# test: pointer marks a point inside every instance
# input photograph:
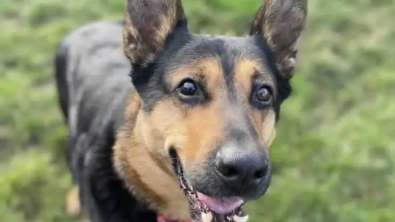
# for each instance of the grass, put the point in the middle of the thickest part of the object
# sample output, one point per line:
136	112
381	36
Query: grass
333	153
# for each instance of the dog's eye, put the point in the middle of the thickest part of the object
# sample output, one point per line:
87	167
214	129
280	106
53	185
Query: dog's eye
187	88
191	92
264	95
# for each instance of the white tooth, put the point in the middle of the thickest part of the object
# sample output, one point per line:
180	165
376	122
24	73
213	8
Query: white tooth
207	217
240	219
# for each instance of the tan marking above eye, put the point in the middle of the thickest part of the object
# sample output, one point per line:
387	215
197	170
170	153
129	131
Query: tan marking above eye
244	72
208	70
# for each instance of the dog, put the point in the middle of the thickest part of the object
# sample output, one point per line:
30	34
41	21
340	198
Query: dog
166	125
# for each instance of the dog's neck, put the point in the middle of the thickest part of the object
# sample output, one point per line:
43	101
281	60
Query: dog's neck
148	176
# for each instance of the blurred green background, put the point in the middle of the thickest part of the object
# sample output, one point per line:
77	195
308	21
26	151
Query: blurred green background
335	149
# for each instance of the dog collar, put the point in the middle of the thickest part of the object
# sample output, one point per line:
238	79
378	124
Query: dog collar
162	218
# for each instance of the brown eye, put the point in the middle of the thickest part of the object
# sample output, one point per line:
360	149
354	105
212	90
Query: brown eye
264	95
191	92
187	88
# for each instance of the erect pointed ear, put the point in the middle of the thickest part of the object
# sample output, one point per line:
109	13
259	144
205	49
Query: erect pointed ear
148	24
281	22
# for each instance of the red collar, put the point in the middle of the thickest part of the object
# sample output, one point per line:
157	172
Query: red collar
162	218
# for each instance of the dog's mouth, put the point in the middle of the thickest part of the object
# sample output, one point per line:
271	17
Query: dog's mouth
205	208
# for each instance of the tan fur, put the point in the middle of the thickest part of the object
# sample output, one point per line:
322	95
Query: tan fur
148	175
208	70
268	130
193	142
73	205
245	70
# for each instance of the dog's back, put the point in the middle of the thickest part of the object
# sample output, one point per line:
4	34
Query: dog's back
88	59
93	84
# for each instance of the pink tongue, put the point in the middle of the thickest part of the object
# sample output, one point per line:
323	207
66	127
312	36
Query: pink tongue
221	205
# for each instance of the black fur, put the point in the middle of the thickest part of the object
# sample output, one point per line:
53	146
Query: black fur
89	59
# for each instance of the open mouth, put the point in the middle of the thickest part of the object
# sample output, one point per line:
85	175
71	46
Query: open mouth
205	208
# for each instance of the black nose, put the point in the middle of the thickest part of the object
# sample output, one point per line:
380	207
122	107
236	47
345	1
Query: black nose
242	169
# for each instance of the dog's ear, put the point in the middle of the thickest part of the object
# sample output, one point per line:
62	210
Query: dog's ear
148	24
280	23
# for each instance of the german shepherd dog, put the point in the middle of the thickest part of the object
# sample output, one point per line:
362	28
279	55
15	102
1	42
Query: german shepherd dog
186	135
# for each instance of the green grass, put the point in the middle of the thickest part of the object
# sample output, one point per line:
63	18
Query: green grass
335	145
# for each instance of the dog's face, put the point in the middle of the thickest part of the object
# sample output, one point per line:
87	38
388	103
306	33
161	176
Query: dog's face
211	101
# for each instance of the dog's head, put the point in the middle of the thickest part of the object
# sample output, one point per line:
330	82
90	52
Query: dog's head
211	101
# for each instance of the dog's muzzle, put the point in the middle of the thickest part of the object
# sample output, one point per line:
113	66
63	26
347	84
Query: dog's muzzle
201	212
